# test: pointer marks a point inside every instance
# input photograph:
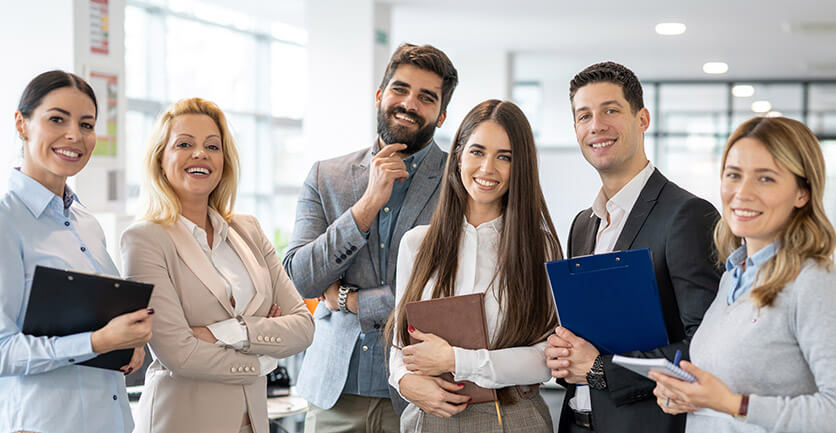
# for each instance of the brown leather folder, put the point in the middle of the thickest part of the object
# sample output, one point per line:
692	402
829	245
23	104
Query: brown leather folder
460	320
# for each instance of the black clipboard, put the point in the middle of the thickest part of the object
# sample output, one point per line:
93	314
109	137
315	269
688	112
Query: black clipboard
610	300
65	302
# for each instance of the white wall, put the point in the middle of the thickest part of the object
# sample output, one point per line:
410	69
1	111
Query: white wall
31	42
340	115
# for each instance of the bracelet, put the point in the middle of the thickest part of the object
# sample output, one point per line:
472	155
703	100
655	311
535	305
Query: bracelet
342	298
743	410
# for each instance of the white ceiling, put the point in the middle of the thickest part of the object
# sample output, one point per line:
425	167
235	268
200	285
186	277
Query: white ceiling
758	39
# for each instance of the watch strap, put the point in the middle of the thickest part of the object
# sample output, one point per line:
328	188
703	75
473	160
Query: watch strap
342	297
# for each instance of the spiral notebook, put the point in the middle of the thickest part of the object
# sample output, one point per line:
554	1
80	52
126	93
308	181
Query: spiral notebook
644	366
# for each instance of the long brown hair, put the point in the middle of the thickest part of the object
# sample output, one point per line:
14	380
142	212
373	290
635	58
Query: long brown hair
808	234
527	239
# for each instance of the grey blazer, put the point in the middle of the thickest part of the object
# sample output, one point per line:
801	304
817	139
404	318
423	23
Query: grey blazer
327	246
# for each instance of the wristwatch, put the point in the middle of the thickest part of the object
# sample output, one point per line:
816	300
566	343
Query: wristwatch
342	298
595	376
743	410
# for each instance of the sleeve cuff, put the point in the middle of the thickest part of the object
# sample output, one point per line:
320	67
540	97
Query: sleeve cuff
75	348
397	370
267	364
373	307
467	363
230	333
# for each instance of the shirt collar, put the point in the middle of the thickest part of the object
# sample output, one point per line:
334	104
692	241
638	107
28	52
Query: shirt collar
219	226
494	224
757	260
34	195
626	197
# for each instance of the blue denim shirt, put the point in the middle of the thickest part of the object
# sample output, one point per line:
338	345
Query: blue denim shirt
365	376
742	280
41	387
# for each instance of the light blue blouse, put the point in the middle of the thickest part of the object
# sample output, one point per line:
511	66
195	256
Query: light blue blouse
41	388
740	280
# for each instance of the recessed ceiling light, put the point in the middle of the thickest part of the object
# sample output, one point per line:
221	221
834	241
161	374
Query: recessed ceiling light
715	68
670	29
743	90
761	106
774	114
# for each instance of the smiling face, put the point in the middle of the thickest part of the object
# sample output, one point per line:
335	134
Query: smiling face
59	137
409	108
609	134
193	158
485	168
759	194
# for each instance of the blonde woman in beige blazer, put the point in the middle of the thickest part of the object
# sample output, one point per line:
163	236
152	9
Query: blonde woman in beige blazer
225	308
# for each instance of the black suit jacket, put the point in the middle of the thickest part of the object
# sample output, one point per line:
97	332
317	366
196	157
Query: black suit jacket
677	227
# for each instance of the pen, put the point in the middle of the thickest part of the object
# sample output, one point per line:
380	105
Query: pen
676	358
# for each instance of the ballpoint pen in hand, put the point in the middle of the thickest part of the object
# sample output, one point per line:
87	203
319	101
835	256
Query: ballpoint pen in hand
676	358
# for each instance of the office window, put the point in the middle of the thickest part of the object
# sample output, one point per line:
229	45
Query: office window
253	67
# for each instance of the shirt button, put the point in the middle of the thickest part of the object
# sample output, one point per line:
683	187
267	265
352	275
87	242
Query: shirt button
414	165
67	223
114	398
365	348
232	369
83	249
382	245
382	282
376	326
386	209
260	338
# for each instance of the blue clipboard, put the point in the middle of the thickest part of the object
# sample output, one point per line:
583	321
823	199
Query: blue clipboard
610	300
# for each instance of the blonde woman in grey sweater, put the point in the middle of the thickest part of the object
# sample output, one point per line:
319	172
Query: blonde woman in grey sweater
765	351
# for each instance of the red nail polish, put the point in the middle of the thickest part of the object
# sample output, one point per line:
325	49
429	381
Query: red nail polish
411	328
469	399
150	311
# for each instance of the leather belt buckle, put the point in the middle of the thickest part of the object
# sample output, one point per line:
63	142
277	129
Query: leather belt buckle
583	419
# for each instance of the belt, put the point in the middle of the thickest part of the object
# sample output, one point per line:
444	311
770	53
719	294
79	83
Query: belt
583	419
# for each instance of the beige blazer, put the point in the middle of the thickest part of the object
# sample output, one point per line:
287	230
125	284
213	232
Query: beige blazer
192	385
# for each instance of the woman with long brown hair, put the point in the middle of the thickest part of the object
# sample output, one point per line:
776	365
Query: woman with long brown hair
765	346
491	233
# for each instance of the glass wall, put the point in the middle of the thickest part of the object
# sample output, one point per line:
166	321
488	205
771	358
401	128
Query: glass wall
252	67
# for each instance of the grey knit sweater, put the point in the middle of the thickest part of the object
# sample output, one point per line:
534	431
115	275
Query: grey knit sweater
784	356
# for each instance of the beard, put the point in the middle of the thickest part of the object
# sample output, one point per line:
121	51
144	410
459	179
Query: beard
392	133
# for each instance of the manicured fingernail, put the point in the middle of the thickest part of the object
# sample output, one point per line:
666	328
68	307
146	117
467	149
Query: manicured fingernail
411	328
461	385
150	311
469	399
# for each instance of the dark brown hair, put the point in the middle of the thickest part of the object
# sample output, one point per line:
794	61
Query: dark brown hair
429	58
527	239
610	72
808	234
48	81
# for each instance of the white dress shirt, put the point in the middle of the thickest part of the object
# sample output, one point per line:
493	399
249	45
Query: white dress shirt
42	387
239	286
613	214
523	365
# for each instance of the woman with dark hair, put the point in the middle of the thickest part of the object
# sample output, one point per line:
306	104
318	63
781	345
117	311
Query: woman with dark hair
491	233
43	223
767	362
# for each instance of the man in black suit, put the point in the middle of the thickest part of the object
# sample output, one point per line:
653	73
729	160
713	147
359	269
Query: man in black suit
636	207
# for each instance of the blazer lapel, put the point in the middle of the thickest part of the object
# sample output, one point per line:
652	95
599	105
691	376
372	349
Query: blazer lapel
424	184
584	235
638	215
360	178
191	254
259	277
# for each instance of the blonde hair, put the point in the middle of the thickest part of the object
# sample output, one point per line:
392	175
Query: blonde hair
808	234
161	204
